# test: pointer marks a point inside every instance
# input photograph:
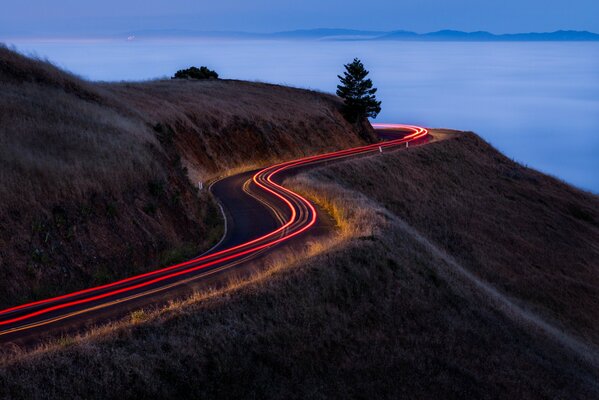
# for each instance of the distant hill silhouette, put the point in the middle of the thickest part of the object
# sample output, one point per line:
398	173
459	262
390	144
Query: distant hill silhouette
353	34
326	32
303	34
482	36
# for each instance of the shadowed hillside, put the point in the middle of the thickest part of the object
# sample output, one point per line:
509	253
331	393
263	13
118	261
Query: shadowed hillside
529	235
438	285
98	180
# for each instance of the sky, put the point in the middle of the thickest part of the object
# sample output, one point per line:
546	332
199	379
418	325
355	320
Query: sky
85	17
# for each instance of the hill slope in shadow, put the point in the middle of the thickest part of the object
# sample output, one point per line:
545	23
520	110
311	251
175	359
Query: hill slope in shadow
392	308
99	180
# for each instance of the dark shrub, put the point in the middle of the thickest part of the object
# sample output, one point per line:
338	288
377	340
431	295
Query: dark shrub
196	73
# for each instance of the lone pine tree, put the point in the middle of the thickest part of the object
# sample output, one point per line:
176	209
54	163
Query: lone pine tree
357	92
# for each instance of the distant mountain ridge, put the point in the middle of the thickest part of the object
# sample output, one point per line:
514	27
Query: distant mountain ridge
483	36
303	34
354	34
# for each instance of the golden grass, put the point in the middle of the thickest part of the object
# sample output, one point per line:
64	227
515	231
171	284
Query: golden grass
378	309
531	236
378	312
98	179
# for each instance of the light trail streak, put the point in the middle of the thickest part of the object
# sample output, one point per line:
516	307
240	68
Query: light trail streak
302	216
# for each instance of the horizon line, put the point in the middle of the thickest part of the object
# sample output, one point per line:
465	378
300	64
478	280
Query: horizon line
169	33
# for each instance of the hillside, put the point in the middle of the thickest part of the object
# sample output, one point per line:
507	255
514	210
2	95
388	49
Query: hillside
439	285
530	236
99	180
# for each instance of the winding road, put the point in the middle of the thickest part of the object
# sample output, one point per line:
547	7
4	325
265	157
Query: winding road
260	214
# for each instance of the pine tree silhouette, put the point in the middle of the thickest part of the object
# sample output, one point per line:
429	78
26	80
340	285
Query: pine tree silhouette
357	92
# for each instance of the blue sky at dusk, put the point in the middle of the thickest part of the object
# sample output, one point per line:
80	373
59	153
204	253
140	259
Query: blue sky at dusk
74	17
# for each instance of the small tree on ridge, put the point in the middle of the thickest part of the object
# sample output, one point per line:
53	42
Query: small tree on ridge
196	73
357	92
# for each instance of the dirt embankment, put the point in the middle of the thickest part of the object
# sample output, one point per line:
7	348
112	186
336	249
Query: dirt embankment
98	180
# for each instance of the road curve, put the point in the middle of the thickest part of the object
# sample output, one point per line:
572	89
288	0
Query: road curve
293	216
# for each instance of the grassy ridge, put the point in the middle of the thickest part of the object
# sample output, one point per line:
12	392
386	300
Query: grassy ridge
529	235
98	179
379	314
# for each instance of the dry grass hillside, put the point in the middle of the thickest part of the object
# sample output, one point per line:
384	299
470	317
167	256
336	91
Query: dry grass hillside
98	180
529	235
393	309
221	125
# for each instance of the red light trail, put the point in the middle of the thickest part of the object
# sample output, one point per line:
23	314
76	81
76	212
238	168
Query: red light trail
302	216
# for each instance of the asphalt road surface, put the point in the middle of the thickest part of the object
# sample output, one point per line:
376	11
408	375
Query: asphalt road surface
261	216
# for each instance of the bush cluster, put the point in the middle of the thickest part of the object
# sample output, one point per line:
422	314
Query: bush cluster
196	73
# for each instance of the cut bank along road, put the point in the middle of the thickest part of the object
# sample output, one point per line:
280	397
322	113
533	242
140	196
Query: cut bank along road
277	215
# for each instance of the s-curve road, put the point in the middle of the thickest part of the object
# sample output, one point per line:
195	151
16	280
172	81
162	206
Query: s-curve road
260	214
